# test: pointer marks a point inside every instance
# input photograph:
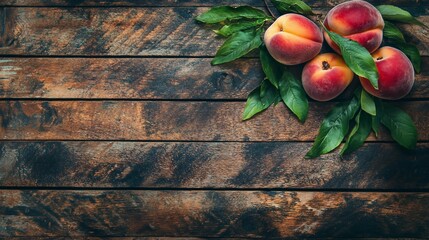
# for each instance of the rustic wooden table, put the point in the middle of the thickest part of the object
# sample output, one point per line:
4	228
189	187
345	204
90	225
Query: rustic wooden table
113	123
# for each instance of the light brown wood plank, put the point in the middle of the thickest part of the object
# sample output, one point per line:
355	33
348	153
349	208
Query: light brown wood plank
125	31
146	78
167	121
172	3
209	165
213	214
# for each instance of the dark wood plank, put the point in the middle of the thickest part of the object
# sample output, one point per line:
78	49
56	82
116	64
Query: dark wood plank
209	165
131	78
167	121
213	214
123	238
108	31
132	238
145	78
165	238
125	31
172	3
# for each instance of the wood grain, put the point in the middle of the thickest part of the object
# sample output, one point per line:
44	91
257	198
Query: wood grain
167	121
131	78
141	78
174	159
127	32
172	3
209	165
125	238
213	214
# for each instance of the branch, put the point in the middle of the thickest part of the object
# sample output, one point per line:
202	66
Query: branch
269	10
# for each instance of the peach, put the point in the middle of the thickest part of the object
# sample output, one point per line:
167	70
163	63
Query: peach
356	20
396	74
293	39
326	76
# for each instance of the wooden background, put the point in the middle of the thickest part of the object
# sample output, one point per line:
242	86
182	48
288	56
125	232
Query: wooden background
114	124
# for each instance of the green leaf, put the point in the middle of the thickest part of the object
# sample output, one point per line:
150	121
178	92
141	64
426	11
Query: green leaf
393	33
393	13
278	100
396	39
295	6
376	120
268	93
375	124
253	105
367	103
227	13
228	30
293	95
400	124
412	53
334	128
357	58
273	70
237	45
359	133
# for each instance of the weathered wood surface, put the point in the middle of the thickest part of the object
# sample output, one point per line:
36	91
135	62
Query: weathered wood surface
125	32
169	3
168	121
131	78
209	165
195	170
137	238
213	213
132	238
141	78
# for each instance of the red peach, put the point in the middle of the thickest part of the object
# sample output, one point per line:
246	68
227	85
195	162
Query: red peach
396	74
293	39
326	76
356	20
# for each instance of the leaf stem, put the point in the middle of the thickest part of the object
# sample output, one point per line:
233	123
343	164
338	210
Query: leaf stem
269	10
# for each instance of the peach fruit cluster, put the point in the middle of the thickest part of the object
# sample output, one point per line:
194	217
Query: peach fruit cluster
294	39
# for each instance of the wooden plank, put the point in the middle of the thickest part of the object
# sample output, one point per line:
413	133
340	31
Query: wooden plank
141	78
123	238
167	121
132	238
117	238
173	3
213	214
125	31
204	165
162	238
131	78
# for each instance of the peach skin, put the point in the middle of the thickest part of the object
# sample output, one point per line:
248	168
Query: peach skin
326	76
293	39
396	74
356	20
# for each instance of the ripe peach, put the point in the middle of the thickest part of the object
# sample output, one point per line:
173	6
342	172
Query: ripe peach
293	39
326	76
356	20
396	74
